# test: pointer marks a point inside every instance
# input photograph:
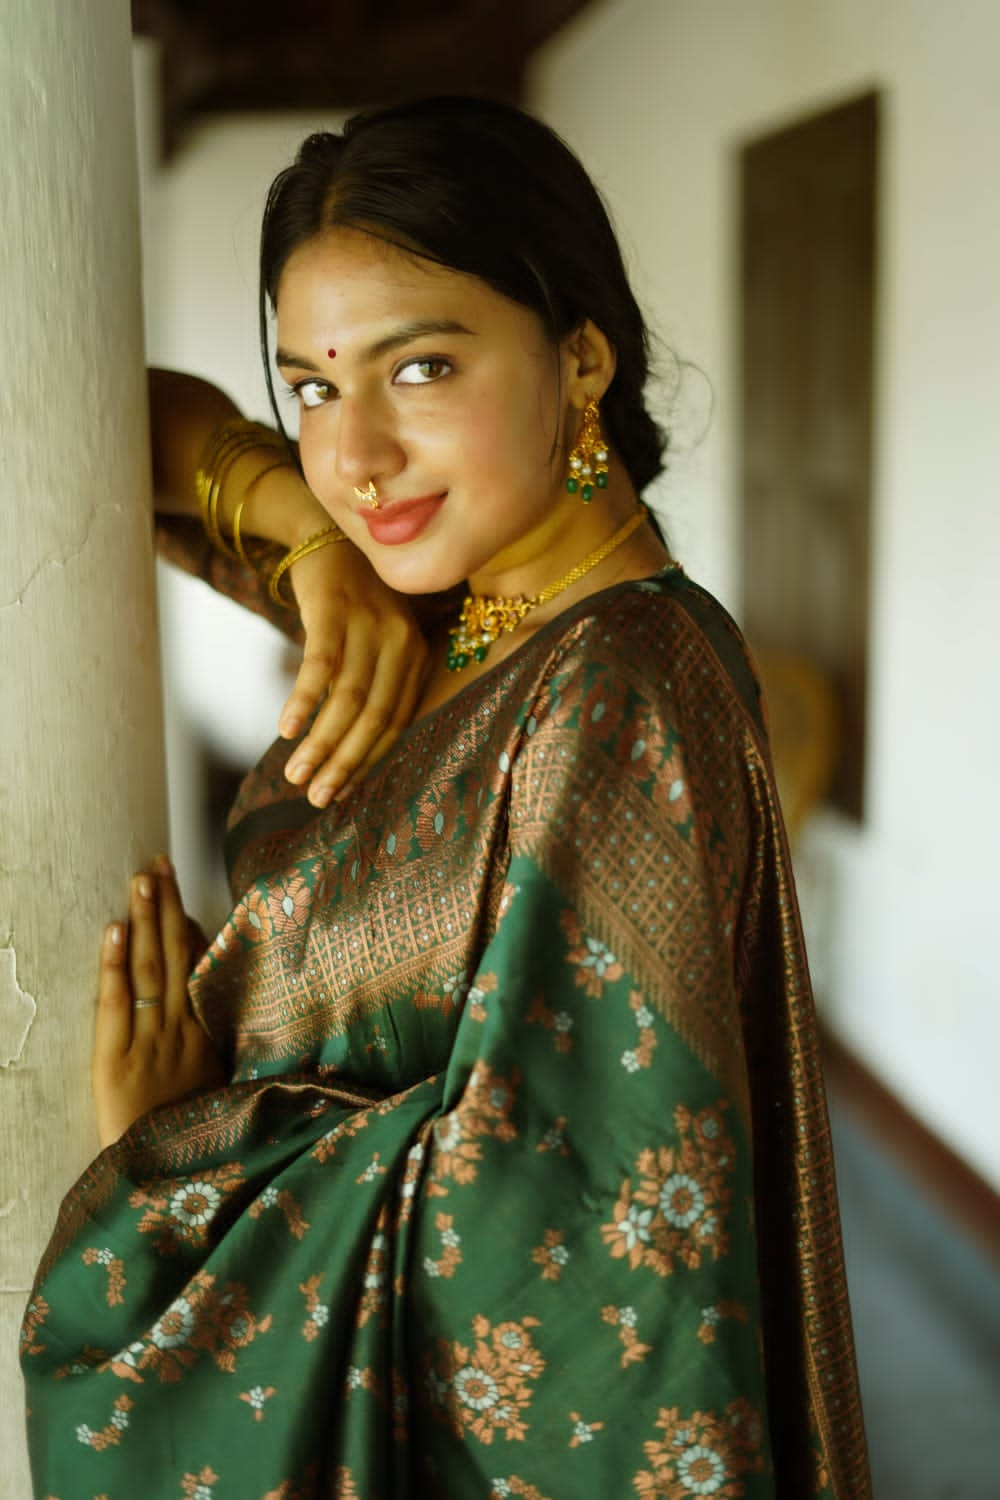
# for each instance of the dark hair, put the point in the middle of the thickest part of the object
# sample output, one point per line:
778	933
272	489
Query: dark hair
486	189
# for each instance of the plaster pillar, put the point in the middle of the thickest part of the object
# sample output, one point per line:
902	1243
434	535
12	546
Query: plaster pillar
81	763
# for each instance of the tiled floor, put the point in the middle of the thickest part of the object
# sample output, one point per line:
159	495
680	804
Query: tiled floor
927	1323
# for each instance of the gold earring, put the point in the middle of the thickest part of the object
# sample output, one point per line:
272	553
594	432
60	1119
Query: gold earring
588	460
369	494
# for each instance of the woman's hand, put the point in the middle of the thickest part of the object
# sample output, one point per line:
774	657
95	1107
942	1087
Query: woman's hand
365	660
149	1047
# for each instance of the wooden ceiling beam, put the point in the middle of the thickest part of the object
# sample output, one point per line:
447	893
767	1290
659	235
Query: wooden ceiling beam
245	55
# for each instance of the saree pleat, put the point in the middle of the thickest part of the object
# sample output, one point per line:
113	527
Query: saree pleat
522	1183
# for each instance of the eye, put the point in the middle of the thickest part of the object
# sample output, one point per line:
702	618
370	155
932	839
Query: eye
422	371
312	392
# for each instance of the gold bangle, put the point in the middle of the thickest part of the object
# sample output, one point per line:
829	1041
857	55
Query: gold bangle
237	522
225	445
311	544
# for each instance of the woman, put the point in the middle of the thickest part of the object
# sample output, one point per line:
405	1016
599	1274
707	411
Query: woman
485	1151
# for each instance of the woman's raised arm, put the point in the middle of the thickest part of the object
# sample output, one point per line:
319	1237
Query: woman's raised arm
364	655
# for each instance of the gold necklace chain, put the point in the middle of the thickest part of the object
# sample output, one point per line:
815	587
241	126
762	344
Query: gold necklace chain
485	617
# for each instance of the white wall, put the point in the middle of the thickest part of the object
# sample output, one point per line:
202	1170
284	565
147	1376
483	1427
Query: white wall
657	96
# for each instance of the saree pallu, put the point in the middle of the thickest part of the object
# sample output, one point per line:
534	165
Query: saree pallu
522	1183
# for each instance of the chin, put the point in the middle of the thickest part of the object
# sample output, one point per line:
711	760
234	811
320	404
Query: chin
414	575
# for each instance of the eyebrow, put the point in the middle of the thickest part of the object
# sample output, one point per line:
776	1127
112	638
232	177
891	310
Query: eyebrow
405	334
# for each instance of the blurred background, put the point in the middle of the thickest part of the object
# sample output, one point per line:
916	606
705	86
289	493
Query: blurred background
807	196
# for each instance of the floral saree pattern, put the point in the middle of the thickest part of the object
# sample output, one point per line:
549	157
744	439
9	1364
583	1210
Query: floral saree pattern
521	1184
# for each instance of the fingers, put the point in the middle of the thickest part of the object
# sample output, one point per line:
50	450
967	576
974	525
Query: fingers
145	954
175	941
311	682
347	698
113	1033
159	949
371	700
391	706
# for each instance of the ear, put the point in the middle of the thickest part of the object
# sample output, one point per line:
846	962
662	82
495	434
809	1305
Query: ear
589	364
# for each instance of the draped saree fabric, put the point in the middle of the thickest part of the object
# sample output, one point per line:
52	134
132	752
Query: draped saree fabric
522	1184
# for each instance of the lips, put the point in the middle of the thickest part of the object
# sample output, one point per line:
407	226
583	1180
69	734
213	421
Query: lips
402	520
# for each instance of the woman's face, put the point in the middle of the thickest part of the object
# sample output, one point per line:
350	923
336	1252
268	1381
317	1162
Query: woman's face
441	391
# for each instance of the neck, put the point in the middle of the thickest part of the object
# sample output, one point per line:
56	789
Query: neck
569	532
487	619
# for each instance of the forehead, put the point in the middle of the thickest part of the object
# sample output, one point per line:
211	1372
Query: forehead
344	280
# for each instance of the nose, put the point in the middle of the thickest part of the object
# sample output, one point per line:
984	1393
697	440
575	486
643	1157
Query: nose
366	444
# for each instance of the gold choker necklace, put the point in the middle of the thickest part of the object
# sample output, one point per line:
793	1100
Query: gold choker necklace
484	618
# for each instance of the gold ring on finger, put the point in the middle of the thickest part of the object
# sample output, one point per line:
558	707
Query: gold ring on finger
152	1000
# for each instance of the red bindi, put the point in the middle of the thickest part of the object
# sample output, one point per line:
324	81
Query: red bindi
331	354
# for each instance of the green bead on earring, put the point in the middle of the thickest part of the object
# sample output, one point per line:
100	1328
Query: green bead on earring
588	460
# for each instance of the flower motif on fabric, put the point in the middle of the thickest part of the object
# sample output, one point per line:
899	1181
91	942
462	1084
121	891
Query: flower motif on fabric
410	1184
252	915
604	705
115	1268
451	1255
325	1148
201	1320
583	1432
182	1214
281	1199
483	1112
376	1276
672	793
89	1358
674	1216
364	1378
507	896
704	1454
448	998
552	1255
594	964
256	1398
437	816
484	1389
641	1055
317	1312
199	1486
479	993
373	1171
644	747
712	1316
289	900
554	1138
112	1433
625	1320
35	1317
559	1022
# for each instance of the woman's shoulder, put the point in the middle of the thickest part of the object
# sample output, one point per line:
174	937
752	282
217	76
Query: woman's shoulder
664	633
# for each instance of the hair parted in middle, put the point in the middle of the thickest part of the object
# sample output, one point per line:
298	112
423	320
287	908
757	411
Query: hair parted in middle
486	189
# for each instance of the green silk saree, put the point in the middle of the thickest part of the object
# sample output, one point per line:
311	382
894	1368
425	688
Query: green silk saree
522	1183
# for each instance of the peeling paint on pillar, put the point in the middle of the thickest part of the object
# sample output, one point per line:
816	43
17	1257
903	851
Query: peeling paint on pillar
17	1010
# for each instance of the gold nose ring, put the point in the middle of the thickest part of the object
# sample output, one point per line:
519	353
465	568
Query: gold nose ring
369	494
